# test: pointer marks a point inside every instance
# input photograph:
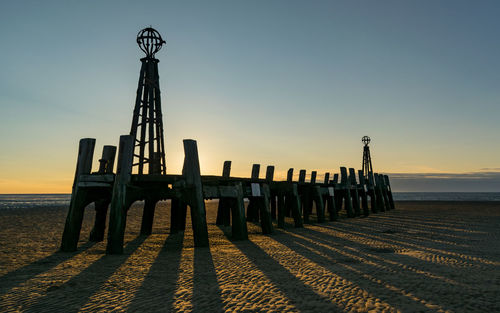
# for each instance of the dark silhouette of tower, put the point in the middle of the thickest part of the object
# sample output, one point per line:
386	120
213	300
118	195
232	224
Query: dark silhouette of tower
147	123
367	160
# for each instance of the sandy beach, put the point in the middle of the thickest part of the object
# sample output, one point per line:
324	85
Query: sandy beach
422	257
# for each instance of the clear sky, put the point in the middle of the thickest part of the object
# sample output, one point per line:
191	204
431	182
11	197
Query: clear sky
289	83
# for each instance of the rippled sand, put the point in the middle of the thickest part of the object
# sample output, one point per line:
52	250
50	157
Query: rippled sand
424	256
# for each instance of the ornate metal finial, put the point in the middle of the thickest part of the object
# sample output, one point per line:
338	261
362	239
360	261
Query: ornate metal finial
366	140
150	41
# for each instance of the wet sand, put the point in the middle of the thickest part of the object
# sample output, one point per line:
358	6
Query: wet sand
422	257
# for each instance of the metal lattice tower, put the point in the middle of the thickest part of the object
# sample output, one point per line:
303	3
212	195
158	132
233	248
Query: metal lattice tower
147	123
367	160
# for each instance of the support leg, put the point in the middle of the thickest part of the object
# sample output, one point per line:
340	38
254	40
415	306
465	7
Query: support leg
148	216
101	211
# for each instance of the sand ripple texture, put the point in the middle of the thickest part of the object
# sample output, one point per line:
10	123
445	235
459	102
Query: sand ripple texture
422	257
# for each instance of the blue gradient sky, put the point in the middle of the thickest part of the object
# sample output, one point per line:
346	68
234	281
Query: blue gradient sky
290	83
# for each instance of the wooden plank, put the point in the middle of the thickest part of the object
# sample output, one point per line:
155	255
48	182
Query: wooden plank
98	178
84	184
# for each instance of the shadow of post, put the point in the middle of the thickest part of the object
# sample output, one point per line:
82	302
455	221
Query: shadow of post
86	283
206	290
27	272
158	288
332	261
285	281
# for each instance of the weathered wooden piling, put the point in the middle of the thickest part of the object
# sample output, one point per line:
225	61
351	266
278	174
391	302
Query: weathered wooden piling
193	193
362	193
379	195
79	197
253	207
317	197
223	209
354	192
272	199
121	200
239	229
178	214
343	193
288	206
106	164
389	192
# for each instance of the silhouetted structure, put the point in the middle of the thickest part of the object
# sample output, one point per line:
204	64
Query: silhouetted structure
367	160
147	122
268	199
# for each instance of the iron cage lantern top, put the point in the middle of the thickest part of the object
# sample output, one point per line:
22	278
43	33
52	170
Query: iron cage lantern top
150	41
366	140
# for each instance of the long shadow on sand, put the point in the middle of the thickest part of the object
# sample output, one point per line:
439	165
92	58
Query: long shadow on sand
158	288
285	281
85	283
332	261
31	270
205	284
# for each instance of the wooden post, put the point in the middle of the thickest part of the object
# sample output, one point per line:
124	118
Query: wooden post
239	225
178	212
148	216
223	209
389	192
281	210
269	179
318	200
354	192
305	196
265	213
302	176
313	177
327	179
120	201
379	196
384	192
288	201
79	199
253	203
370	190
194	193
289	175
101	206
346	192
362	193
296	206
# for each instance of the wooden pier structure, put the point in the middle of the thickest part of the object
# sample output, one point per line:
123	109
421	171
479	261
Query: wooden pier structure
269	200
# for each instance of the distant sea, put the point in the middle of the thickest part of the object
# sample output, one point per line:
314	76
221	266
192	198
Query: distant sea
13	201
